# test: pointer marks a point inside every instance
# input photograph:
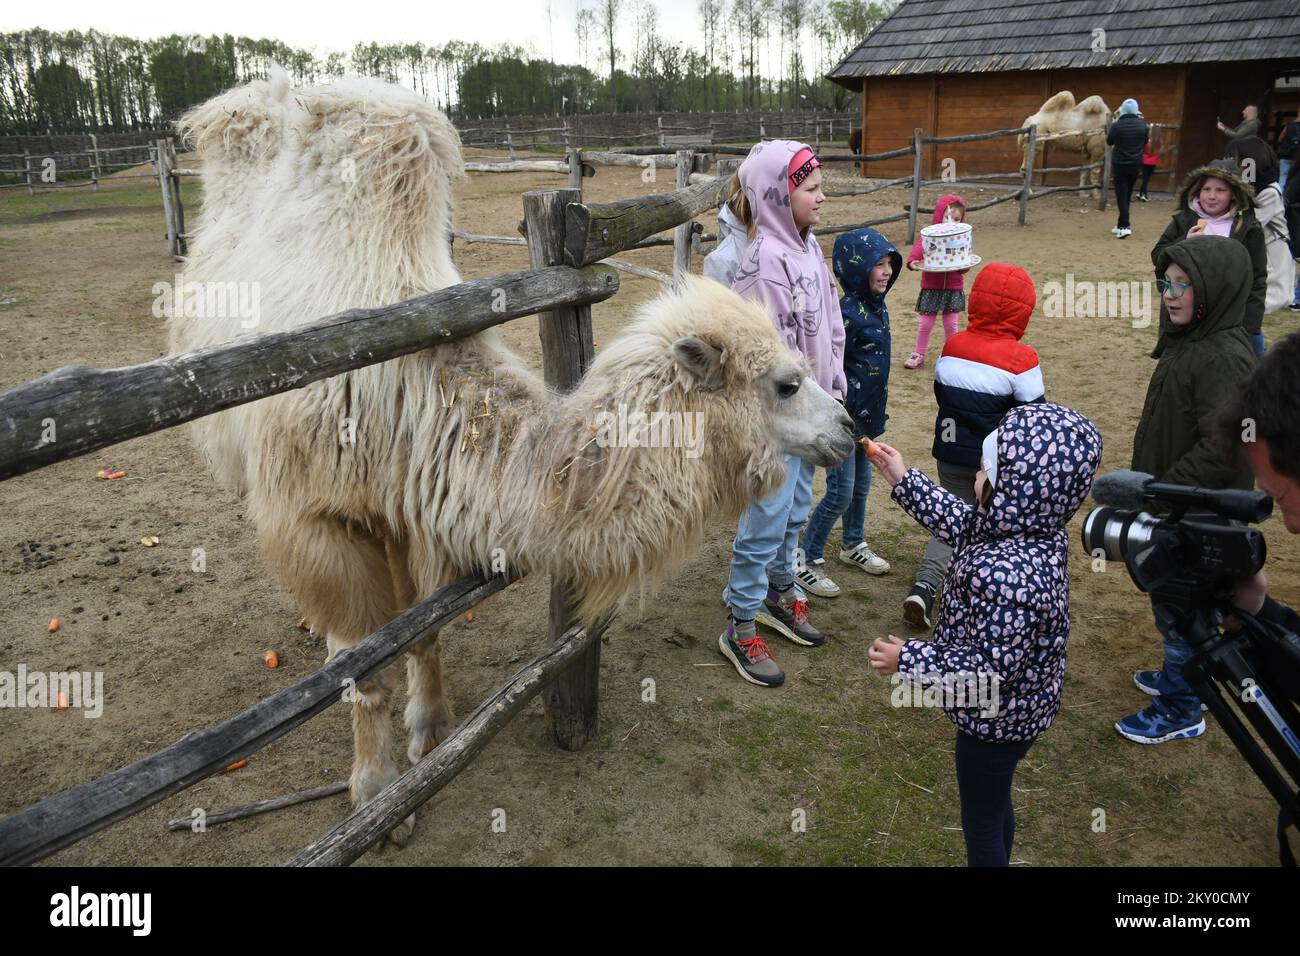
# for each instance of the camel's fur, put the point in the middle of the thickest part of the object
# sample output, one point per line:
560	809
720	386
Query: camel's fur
340	197
1084	125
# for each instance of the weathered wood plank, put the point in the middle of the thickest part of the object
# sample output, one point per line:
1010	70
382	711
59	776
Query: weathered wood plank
598	230
573	701
83	409
372	821
682	234
62	820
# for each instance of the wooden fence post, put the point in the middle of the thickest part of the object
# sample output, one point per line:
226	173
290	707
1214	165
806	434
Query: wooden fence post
575	169
95	172
165	183
682	234
917	149
572	701
660	124
1031	152
178	208
1105	171
27	170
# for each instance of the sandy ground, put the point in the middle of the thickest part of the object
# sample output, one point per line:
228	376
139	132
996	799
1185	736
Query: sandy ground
715	770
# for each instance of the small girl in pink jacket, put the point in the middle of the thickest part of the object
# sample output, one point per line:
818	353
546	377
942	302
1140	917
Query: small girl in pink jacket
941	292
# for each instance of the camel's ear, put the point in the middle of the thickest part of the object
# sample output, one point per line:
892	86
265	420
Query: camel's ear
701	362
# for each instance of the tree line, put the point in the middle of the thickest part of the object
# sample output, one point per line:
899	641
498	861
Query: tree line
752	55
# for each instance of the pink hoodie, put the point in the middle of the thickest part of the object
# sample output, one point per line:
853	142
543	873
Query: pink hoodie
939	280
1220	225
786	271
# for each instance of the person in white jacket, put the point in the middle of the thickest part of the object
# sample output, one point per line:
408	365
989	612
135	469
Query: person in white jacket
720	264
1270	210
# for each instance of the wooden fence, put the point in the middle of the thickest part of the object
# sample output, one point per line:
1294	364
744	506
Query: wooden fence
99	407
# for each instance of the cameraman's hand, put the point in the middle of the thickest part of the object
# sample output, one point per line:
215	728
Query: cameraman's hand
1250	594
1249	597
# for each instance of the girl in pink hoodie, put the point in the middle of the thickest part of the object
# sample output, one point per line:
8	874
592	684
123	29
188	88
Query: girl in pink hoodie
941	292
783	268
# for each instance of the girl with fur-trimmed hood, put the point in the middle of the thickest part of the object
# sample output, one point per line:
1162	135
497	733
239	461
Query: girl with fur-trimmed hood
1216	201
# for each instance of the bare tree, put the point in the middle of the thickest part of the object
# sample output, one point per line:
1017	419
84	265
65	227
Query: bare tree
609	10
711	16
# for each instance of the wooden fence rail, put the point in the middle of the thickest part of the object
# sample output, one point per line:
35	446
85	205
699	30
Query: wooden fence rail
372	821
90	408
61	820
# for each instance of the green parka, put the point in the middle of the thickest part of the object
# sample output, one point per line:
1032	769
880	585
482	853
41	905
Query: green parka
1204	363
1245	230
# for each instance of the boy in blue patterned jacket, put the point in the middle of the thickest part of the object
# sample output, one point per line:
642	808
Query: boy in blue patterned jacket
1005	615
867	265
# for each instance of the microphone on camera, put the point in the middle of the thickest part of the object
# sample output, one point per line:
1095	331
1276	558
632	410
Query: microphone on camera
1123	489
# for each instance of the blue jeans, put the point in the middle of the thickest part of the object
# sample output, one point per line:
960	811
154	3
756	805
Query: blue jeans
988	821
1295	299
1284	171
765	544
1257	340
847	486
1176	694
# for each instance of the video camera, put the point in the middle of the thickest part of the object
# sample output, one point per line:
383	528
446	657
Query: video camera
1190	548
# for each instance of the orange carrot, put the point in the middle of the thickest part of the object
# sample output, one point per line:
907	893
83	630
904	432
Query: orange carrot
237	765
63	700
869	446
469	617
272	659
54	624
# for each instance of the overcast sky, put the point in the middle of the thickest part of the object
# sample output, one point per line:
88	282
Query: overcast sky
333	25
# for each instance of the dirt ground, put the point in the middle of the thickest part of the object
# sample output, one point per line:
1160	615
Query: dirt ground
713	772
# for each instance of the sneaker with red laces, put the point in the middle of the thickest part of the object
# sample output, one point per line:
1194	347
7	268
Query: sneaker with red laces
787	614
741	645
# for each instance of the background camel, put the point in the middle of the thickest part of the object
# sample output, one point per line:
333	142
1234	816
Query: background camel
373	489
1083	126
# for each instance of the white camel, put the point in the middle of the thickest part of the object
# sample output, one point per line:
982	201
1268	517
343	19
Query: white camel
338	197
1074	128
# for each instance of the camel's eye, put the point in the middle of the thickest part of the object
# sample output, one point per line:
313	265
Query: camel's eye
788	389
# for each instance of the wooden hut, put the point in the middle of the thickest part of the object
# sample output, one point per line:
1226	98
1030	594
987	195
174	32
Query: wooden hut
965	66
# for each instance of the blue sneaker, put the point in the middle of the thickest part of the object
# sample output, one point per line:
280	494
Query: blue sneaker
1155	726
1148	682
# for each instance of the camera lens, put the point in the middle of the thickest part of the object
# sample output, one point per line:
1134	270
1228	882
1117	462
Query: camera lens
1117	533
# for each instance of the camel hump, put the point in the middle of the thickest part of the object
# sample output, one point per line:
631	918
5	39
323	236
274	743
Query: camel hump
242	126
1094	104
1059	103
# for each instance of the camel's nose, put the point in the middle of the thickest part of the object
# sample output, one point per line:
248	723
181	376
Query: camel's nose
846	422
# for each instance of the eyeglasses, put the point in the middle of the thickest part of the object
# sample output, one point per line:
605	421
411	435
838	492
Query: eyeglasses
1173	287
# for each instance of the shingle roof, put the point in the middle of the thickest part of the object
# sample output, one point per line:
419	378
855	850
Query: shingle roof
964	36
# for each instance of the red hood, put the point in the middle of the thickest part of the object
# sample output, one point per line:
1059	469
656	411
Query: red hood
942	205
1001	301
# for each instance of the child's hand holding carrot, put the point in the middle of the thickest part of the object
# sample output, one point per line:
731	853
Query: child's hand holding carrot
887	461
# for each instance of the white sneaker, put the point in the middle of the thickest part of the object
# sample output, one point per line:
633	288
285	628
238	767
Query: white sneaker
1114	230
813	578
864	558
1124	233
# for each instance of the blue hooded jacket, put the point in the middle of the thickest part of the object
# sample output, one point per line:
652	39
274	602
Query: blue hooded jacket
866	326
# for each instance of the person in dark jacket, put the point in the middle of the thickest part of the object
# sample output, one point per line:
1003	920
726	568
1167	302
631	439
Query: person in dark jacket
1205	283
1288	150
1252	153
867	265
1005	620
1216	201
982	373
1127	137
